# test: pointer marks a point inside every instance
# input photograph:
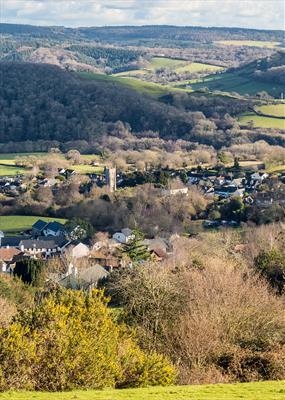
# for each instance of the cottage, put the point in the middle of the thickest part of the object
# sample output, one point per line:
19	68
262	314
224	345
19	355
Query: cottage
43	246
79	250
83	279
38	227
124	236
8	257
54	229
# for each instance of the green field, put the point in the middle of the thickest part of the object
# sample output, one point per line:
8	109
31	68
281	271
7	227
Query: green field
260	121
246	391
277	110
252	43
87	169
17	223
179	66
276	168
164	62
152	89
199	68
9	158
240	83
149	88
10	170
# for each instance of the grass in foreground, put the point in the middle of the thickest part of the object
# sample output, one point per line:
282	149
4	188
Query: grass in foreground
246	391
17	223
262	122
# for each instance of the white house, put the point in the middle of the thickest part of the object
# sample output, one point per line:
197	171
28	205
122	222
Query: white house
124	236
54	229
259	176
80	251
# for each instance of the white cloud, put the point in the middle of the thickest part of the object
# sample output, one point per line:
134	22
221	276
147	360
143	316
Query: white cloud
263	14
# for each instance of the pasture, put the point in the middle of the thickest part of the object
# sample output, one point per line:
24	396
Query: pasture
182	66
241	83
11	170
8	167
13	224
175	65
199	68
276	110
149	88
260	121
247	391
84	169
9	158
251	43
164	62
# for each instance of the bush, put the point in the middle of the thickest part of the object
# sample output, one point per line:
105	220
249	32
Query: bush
69	341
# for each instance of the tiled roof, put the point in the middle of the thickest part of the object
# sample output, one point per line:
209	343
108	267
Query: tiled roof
8	254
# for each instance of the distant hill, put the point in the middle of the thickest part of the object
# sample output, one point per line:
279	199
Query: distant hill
266	74
123	33
123	48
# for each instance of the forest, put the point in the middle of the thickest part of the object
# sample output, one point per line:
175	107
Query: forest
64	107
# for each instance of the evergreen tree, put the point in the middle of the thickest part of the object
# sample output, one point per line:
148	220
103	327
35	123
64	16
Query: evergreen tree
135	249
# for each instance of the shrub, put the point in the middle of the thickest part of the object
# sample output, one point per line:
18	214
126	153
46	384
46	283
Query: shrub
69	341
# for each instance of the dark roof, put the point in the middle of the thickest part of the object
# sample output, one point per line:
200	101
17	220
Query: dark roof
55	226
11	241
39	244
39	225
44	242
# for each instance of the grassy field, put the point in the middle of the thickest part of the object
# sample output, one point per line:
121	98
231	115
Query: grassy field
277	110
152	89
164	62
262	122
175	65
10	170
199	68
9	158
276	168
240	83
246	391
17	223
87	169
252	43
8	167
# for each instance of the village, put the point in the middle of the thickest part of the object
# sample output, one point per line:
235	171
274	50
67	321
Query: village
80	265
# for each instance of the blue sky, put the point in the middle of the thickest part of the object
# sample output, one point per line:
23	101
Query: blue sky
259	14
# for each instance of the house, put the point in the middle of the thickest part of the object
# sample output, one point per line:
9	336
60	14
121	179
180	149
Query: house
42	228
107	261
257	176
38	227
85	279
10	241
229	191
173	192
8	256
79	250
124	236
54	229
43	246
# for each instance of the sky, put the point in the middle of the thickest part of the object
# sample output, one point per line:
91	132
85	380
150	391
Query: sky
258	14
